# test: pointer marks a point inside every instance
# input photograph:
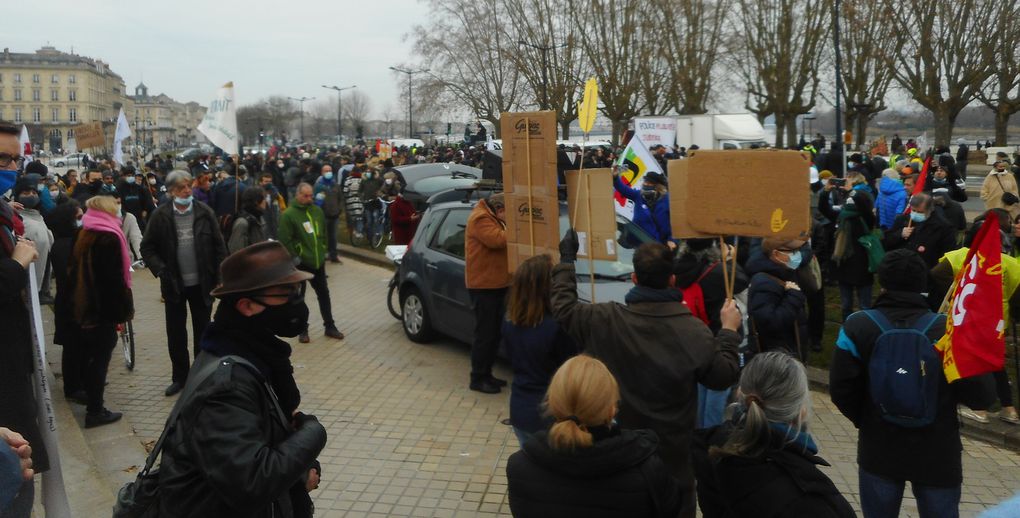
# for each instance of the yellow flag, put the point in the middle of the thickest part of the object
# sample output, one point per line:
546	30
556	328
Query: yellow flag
588	106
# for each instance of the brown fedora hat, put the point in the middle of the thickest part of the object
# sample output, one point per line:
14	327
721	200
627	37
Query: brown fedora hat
257	267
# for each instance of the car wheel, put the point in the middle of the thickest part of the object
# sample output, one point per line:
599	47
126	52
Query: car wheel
60	164
416	323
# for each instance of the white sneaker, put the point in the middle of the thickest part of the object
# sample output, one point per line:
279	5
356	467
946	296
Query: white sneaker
973	415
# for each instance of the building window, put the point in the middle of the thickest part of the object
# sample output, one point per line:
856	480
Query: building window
55	112
55	132
70	79
17	94
70	134
55	79
72	95
17	115
54	95
36	94
1	115
72	114
35	78
1	78
1	98
17	77
36	115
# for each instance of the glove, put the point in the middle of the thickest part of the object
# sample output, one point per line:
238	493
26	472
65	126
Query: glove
569	246
301	418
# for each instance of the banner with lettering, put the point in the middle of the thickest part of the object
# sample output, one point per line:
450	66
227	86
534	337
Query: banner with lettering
220	122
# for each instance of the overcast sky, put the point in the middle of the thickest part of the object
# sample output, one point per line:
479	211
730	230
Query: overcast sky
187	48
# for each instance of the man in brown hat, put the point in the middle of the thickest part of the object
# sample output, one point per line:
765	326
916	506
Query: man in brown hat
239	427
775	303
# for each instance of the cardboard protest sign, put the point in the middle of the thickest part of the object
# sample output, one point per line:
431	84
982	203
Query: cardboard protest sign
600	232
89	134
749	193
678	174
530	185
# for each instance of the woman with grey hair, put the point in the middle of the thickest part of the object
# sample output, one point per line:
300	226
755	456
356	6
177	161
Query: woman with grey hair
763	462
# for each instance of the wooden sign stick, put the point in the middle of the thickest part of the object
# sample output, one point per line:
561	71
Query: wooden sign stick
531	202
725	271
733	273
591	238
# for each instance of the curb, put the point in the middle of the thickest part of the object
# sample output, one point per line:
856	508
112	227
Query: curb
996	433
364	256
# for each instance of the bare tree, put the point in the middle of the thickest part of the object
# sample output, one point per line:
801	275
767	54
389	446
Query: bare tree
322	115
272	116
356	108
866	71
774	51
693	33
614	48
1002	92
945	54
549	56
467	52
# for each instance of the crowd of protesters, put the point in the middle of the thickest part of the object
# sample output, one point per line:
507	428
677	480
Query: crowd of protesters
678	399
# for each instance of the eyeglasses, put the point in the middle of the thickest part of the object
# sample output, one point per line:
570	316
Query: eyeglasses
6	159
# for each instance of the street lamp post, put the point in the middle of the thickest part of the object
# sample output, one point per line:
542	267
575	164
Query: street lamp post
339	109
410	120
302	102
837	142
544	49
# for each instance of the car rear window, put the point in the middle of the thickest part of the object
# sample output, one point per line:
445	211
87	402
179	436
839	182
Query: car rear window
450	236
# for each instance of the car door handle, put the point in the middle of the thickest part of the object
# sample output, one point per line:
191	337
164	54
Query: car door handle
431	266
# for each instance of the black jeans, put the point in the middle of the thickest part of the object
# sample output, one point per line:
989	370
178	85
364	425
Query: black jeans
1002	388
72	364
489	307
331	224
177	328
97	345
321	292
816	317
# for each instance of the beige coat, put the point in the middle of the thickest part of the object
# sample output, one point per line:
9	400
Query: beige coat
994	186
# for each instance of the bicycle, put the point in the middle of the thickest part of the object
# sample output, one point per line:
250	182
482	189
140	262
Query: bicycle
393	295
127	339
375	239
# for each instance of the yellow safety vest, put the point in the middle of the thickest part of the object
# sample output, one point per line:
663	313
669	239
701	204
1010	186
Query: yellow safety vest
1010	274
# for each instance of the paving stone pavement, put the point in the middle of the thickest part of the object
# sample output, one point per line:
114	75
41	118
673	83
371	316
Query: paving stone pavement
406	437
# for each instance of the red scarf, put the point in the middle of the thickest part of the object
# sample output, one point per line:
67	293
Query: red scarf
99	221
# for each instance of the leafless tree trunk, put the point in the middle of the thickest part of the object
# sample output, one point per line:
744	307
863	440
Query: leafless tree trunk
356	108
1002	92
693	33
775	51
555	71
946	56
866	73
466	50
614	46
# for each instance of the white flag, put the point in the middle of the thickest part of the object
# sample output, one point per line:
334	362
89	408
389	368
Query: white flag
490	144
220	122
637	160
25	143
123	132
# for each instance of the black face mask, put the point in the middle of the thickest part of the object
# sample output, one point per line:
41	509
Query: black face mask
29	200
287	320
650	195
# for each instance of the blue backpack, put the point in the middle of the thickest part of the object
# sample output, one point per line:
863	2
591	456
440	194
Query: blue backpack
904	371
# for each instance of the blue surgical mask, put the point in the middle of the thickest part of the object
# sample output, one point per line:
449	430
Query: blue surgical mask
130	179
7	179
795	259
328	176
918	217
183	202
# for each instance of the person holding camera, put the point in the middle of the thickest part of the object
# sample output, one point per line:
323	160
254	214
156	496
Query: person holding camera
1000	191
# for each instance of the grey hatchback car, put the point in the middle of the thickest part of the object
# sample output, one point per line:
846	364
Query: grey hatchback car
432	294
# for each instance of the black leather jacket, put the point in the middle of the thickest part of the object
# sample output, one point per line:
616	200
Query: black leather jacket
230	453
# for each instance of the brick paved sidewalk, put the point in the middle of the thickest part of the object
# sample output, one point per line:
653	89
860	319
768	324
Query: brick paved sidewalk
406	437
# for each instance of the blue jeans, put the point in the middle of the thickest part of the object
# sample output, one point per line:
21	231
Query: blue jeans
373	221
846	297
711	404
881	498
21	506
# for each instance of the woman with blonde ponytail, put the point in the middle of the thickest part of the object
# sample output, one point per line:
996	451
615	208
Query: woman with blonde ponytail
585	465
763	462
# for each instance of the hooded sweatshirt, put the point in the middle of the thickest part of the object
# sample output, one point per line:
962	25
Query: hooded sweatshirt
892	200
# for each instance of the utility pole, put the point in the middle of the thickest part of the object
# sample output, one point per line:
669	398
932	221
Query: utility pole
410	120
339	109
837	143
544	49
302	102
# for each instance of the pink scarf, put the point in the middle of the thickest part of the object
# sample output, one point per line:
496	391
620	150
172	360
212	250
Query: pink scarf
99	221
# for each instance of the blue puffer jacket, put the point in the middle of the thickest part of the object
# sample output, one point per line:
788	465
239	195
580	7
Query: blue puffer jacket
892	200
653	220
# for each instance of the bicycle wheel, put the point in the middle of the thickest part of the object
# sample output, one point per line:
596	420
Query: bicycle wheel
127	338
393	299
377	239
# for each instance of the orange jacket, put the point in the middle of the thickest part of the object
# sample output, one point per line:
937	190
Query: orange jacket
485	245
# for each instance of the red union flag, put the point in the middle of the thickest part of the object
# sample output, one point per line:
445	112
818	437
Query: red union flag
975	342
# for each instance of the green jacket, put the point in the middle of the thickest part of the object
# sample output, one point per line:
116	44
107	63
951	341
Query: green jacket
303	232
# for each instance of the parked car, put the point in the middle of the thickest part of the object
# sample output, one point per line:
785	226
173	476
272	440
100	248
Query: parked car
73	159
189	154
433	297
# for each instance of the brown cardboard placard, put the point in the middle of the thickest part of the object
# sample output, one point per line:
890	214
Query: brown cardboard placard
530	185
678	174
89	134
600	233
749	193
529	139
